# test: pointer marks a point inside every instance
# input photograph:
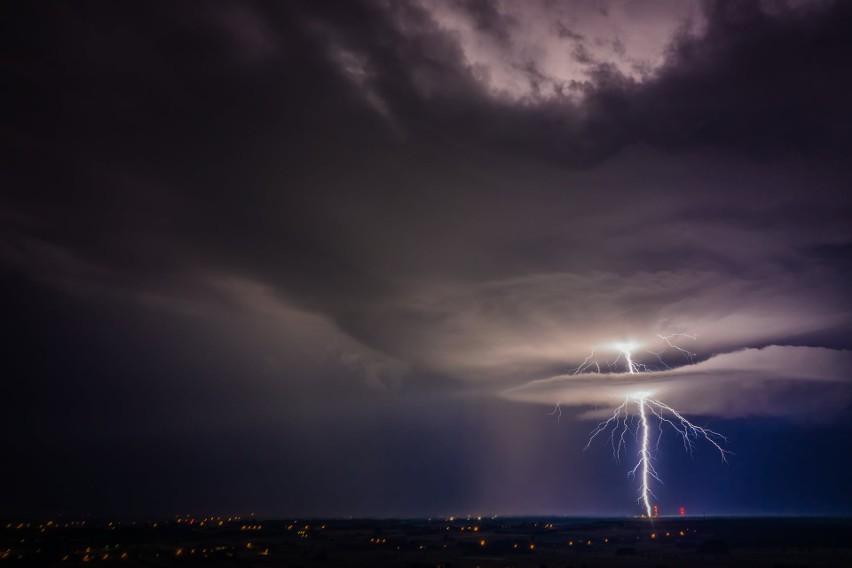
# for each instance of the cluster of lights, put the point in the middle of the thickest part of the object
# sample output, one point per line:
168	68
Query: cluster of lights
210	521
111	552
203	552
668	534
210	518
653	536
44	525
467	518
305	528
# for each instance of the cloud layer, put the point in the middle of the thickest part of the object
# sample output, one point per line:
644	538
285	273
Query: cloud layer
802	382
446	211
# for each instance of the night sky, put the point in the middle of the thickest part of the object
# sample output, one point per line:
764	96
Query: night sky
340	258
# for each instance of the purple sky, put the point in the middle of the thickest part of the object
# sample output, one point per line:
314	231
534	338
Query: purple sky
340	257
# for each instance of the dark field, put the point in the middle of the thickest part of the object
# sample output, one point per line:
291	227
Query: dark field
493	542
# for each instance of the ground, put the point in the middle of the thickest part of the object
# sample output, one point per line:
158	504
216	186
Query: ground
435	542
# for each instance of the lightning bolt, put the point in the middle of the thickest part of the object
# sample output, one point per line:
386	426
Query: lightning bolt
618	425
645	460
587	364
557	411
668	341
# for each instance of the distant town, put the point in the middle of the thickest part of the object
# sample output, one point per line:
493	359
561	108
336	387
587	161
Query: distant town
437	542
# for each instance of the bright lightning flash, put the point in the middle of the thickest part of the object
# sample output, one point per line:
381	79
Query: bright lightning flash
623	419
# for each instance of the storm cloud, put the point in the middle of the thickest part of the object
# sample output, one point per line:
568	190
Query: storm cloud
443	196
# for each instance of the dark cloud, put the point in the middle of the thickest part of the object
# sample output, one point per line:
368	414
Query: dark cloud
314	202
319	169
488	19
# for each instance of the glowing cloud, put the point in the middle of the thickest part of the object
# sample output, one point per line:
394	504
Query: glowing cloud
740	383
634	382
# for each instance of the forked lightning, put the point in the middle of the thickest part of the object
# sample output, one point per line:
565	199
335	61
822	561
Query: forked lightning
619	425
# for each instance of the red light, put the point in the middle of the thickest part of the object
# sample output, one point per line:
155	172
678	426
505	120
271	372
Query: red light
682	512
